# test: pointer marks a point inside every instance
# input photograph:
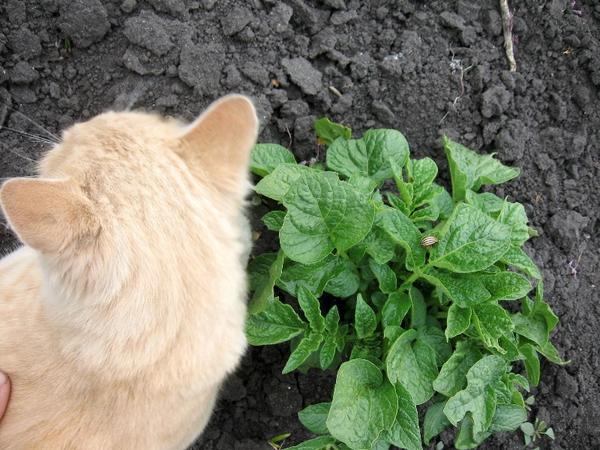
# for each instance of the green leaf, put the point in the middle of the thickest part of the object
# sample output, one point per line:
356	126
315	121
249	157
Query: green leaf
458	321
314	277
264	158
510	350
327	353
427	214
479	398
364	404
528	428
340	338
278	183
312	309
516	257
418	312
551	353
533	328
466	437
542	309
273	220
314	418
412	363
330	344
332	321
378	445
491	321
404	203
329	131
442	201
486	201
404	432
362	184
385	276
323	214
308	345
470	241
391	333
368	348
277	323
371	156
395	309
514	215
404	233
258	269
506	285
435	422
379	246
464	289
434	337
508	418
365	321
538	322
452	377
470	170
264	288
422	172
346	282
319	443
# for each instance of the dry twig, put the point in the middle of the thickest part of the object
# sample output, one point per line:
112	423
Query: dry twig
507	25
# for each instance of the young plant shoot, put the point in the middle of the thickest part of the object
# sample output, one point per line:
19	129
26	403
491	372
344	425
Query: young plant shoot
400	287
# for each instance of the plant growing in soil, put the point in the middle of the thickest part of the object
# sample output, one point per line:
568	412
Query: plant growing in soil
400	287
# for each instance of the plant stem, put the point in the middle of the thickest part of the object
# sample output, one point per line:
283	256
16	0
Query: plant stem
410	280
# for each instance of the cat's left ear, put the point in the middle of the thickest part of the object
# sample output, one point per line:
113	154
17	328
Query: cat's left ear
47	214
217	145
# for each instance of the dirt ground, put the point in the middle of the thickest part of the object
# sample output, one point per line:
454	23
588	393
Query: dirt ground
426	68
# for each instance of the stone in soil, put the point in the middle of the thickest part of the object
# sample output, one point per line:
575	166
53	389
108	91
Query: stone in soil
280	16
147	30
303	74
495	101
23	73
84	21
256	72
511	140
236	20
25	43
175	8
568	227
200	66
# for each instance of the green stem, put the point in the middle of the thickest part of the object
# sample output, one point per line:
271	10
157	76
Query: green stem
410	280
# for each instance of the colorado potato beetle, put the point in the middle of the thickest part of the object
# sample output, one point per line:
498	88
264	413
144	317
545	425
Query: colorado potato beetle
429	241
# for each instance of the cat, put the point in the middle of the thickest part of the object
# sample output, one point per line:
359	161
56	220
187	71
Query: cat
124	311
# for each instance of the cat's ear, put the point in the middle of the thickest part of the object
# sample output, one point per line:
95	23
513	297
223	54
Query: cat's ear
47	214
217	145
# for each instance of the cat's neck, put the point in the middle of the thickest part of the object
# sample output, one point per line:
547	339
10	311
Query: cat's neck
121	326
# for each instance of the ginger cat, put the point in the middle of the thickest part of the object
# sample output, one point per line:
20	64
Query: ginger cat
124	311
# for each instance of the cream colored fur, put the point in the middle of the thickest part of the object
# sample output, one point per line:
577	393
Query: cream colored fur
124	311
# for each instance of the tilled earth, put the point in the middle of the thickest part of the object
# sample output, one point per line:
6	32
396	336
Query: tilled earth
426	68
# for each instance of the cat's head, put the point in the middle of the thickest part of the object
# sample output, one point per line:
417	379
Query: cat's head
127	176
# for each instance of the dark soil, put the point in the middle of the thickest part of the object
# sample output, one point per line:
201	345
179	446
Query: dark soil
426	68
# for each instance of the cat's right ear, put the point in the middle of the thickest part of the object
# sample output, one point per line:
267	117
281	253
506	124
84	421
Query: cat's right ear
217	145
47	214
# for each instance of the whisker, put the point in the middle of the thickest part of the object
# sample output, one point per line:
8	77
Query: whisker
16	153
34	137
55	138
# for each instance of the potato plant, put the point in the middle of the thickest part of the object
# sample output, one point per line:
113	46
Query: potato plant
400	287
